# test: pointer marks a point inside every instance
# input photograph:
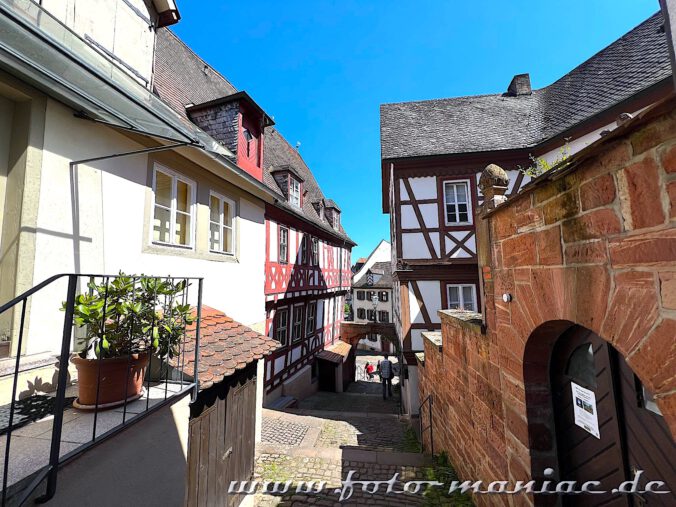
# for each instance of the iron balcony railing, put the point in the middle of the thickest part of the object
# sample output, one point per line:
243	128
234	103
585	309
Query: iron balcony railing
165	380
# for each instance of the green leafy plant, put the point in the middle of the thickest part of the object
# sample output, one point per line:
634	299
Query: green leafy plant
132	314
540	165
442	471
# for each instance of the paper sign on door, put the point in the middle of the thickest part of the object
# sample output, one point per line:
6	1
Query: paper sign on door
585	409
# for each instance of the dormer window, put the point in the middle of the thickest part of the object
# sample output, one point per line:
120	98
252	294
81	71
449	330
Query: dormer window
294	192
249	139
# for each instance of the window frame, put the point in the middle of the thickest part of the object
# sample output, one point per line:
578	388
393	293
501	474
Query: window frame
285	259
278	328
361	313
173	209
233	220
460	286
312	305
470	216
361	293
314	251
370	312
382	293
304	251
300	321
292	182
382	313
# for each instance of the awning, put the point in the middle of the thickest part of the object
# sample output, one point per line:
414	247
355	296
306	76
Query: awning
336	353
40	50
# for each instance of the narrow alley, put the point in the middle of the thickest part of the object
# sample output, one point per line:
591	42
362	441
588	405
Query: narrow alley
330	435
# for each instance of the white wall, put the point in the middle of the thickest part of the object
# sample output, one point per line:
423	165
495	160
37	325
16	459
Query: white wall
382	253
113	24
114	203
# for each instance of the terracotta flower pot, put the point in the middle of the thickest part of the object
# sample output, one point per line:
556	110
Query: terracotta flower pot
112	378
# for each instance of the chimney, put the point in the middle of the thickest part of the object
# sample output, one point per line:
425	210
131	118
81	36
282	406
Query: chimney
520	85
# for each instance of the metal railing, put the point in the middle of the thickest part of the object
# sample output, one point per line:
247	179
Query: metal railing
170	372
429	401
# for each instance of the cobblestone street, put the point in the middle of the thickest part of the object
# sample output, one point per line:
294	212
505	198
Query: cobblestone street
360	433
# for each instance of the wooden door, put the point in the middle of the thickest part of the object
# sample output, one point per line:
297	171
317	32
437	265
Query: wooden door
649	444
631	437
582	357
221	444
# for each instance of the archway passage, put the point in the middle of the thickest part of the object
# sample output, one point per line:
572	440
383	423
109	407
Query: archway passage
606	424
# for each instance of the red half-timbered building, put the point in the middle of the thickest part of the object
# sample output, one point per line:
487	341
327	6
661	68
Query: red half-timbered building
307	271
434	151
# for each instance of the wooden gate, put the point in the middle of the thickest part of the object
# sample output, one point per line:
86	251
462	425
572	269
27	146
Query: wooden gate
631	436
221	446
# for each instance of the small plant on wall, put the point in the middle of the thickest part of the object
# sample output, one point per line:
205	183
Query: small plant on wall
540	165
127	319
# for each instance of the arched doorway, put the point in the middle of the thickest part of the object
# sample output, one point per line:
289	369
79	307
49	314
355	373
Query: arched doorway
606	426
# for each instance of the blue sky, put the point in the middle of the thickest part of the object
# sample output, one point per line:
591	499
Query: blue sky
323	68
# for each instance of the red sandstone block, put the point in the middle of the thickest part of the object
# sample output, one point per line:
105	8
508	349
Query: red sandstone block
639	188
595	224
530	219
522	275
668	289
519	251
671	191
589	252
597	192
503	224
655	359
632	310
654	248
516	425
549	246
561	207
592	289
555	188
668	158
653	134
613	158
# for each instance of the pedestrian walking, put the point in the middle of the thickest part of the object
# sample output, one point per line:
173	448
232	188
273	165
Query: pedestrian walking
386	372
370	369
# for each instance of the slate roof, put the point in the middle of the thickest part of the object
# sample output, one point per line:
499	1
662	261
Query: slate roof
182	78
631	64
225	347
385	281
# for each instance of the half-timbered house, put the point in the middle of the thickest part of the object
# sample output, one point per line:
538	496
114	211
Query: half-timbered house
432	152
307	252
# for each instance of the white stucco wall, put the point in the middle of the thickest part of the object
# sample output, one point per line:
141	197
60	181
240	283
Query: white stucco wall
381	253
114	203
120	28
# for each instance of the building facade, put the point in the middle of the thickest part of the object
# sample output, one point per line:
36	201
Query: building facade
570	366
371	298
433	151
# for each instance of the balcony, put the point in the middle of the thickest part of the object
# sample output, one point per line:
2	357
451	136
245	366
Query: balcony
50	414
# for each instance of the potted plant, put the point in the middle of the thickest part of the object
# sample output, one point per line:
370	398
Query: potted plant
125	324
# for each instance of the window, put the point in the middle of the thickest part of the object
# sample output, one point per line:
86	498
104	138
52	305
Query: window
383	316
315	252
371	315
336	220
457	203
297	326
221	224
311	319
248	138
173	209
383	296
361	313
294	192
361	295
282	326
283	244
462	297
370	295
304	253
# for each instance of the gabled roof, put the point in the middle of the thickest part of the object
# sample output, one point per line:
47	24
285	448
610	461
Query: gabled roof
183	79
385	281
482	123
